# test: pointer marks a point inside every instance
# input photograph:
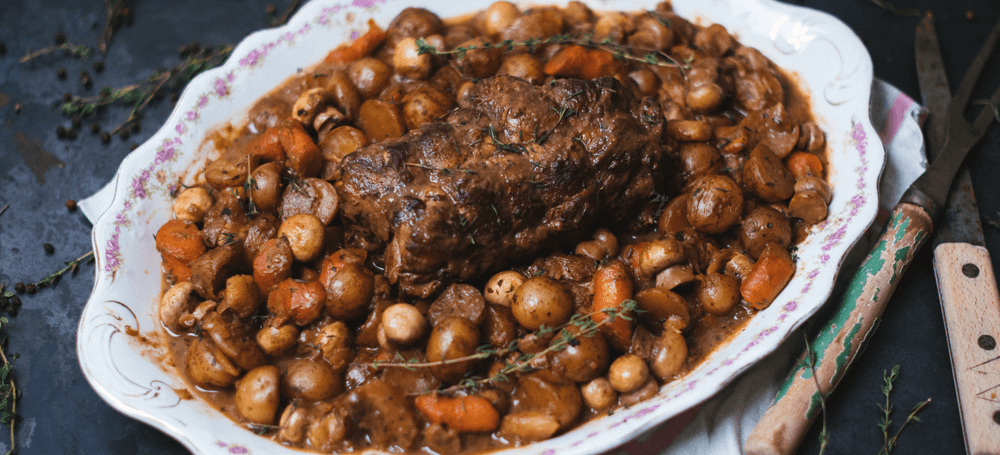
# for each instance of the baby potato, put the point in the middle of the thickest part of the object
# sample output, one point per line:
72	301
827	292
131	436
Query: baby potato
275	339
541	301
192	204
523	66
348	291
208	366
241	295
766	176
266	191
257	395
627	373
500	289
499	16
481	61
718	293
425	105
599	394
716	204
408	60
669	355
311	380
325	432
451	338
581	361
764	225
369	75
305	236
403	323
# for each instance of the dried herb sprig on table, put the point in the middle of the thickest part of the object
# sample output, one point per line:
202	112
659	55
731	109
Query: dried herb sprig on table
890	442
9	393
117	11
71	267
620	52
563	339
274	21
79	51
140	94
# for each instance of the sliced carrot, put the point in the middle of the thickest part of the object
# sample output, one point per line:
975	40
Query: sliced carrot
464	415
768	276
612	286
179	271
267	146
364	45
302	302
803	164
304	157
580	63
180	240
567	62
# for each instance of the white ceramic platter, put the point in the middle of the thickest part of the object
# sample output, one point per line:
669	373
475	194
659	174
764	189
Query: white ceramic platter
136	378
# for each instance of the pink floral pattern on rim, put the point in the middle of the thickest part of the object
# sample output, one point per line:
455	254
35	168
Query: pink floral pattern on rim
232	448
140	186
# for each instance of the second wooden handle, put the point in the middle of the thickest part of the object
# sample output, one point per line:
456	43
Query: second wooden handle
971	310
782	427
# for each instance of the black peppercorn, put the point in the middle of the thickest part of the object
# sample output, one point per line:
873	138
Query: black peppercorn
71	133
3	48
13	311
99	66
61	72
49	249
15	300
132	147
134	126
173	98
60	38
105	137
71	205
76	121
67	97
95	128
269	9
61	132
30	287
85	79
19	287
123	133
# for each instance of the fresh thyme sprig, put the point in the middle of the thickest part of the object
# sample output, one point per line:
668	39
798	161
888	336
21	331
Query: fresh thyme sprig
115	10
651	57
71	267
810	361
79	51
9	393
890	442
140	94
564	338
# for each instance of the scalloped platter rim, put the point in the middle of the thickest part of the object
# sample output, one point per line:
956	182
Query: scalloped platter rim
118	334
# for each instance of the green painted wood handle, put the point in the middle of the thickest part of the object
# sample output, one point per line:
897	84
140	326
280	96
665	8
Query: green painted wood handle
797	403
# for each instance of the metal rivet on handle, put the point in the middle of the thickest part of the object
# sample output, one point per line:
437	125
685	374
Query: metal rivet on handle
970	270
988	343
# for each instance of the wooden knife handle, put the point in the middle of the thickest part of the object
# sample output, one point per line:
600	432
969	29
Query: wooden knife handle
797	403
971	310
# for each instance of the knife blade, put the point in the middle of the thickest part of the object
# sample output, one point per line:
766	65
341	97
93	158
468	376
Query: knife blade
962	267
911	222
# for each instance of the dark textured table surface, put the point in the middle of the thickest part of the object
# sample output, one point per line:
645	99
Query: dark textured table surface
61	414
